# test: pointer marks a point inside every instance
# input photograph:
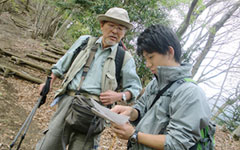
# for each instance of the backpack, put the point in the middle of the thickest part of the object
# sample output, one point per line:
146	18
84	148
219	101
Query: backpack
207	141
118	59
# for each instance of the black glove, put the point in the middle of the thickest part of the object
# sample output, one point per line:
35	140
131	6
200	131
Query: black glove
45	91
43	100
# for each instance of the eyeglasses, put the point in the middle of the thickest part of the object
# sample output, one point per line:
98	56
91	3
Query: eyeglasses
120	29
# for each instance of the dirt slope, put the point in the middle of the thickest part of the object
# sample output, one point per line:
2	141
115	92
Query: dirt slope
18	96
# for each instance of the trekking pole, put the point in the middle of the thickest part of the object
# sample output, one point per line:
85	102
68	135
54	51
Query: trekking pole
26	124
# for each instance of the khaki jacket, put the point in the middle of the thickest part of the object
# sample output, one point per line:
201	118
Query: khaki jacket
109	81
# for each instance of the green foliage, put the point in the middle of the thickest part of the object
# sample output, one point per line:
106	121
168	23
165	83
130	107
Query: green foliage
212	30
78	29
66	47
200	7
145	13
198	10
170	4
143	72
84	2
142	12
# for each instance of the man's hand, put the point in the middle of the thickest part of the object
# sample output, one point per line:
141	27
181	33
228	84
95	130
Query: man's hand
109	97
123	110
126	110
53	78
41	87
123	131
44	90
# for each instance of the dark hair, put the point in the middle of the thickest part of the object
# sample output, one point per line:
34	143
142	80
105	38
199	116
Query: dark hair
158	38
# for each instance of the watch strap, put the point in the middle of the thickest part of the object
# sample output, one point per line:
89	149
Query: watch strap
134	137
124	98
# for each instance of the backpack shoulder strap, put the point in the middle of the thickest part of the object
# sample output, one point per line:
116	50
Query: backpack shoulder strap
80	47
170	88
176	85
119	62
161	92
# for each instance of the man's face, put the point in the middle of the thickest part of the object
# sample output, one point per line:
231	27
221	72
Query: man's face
112	33
153	60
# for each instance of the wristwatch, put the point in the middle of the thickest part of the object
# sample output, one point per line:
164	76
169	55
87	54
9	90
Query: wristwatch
124	98
134	137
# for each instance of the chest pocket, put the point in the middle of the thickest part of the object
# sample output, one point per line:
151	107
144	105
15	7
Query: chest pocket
162	107
162	112
110	82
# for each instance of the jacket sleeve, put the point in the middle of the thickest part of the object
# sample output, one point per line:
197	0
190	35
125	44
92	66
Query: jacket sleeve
130	79
64	62
189	113
142	104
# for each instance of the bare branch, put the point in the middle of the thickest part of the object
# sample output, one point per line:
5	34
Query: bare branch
226	75
227	103
211	36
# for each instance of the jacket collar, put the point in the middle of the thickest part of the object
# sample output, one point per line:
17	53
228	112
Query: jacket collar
168	74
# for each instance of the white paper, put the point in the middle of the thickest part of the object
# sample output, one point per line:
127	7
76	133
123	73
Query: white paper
106	113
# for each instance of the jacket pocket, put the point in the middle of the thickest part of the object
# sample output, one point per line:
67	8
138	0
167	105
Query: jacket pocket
110	82
162	110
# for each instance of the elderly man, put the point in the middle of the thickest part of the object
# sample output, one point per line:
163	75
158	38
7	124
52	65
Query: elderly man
99	82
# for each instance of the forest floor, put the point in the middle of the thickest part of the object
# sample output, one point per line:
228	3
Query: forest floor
18	96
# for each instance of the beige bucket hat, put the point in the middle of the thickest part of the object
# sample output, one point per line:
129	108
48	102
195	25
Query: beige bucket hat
116	15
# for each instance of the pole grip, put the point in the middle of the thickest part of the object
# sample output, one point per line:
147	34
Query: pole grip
46	87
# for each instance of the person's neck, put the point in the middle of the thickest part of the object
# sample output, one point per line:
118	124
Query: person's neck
174	64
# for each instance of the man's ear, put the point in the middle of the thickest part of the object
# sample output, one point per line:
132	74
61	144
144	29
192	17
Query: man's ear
171	51
101	24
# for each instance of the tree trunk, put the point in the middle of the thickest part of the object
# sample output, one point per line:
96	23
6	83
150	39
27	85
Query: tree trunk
26	6
20	61
3	1
55	51
47	19
50	55
42	59
183	27
19	74
4	52
39	13
63	28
